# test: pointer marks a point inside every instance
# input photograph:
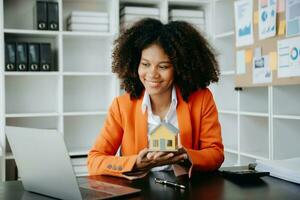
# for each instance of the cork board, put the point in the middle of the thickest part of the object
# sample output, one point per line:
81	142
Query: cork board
267	45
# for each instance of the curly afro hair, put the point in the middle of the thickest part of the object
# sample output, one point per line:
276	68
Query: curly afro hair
191	55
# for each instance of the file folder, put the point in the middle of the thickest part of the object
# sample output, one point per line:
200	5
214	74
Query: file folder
33	56
45	57
10	56
52	11
21	55
41	15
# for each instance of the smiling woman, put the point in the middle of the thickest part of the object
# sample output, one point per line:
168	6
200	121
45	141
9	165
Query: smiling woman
165	70
156	72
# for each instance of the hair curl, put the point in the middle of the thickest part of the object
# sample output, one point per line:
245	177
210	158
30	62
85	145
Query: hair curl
192	57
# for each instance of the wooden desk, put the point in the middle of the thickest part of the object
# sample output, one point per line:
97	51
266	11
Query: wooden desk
202	186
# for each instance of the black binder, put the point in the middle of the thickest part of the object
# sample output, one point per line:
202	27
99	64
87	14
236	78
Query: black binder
41	15
21	55
45	57
10	56
33	56
52	11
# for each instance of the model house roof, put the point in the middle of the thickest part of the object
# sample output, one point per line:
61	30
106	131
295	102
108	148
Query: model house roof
169	126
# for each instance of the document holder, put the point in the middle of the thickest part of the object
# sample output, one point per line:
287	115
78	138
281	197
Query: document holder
10	56
41	15
21	61
45	57
33	56
52	11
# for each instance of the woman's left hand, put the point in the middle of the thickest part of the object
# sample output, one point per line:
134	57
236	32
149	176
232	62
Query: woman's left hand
159	158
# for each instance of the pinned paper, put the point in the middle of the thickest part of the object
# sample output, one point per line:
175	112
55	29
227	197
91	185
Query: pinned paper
249	56
273	60
240	62
292	16
261	72
281	28
267	18
280	6
288	57
255	17
257	52
243	10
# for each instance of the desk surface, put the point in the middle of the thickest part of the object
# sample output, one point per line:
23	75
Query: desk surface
201	186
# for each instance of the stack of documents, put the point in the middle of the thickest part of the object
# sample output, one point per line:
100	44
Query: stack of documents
131	14
88	21
287	169
194	17
80	166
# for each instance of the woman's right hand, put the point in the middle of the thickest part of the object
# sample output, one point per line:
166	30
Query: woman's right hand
147	160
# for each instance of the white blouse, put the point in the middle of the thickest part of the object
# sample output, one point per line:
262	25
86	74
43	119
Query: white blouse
154	120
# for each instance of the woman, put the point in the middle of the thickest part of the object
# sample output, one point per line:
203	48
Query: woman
165	70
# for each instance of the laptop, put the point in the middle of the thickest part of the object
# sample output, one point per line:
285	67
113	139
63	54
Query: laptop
45	167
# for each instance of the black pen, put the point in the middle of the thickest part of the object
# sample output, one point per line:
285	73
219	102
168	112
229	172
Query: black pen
162	181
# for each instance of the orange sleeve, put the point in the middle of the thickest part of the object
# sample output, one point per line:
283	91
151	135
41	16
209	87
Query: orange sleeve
210	156
101	158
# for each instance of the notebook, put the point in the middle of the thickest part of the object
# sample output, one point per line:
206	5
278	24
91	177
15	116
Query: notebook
45	167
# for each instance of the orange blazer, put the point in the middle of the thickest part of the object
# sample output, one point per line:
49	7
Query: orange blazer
126	127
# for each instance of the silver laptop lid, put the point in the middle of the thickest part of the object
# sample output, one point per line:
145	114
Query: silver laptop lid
43	162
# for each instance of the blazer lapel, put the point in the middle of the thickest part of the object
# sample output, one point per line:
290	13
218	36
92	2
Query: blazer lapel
141	127
184	121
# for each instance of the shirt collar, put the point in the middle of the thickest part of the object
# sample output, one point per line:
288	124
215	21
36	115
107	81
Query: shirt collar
146	104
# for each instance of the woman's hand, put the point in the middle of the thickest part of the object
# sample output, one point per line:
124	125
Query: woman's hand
147	160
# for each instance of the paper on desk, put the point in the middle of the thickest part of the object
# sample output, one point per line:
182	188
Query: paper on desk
287	169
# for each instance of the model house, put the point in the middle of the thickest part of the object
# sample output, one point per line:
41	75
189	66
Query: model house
164	138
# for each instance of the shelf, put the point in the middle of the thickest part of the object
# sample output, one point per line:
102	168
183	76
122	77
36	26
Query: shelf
229	131
254	100
80	132
37	38
18	115
245	160
84	113
254	114
88	74
68	6
34	121
231	151
228	112
28	73
225	88
286	100
142	2
224	17
286	137
89	34
9	156
254	136
88	94
228	72
224	35
97	60
31	94
226	53
292	117
31	32
188	2
231	159
253	156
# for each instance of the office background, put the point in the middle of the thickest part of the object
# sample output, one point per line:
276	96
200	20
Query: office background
257	122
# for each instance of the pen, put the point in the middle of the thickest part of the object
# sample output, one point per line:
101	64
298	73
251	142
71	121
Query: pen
165	182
